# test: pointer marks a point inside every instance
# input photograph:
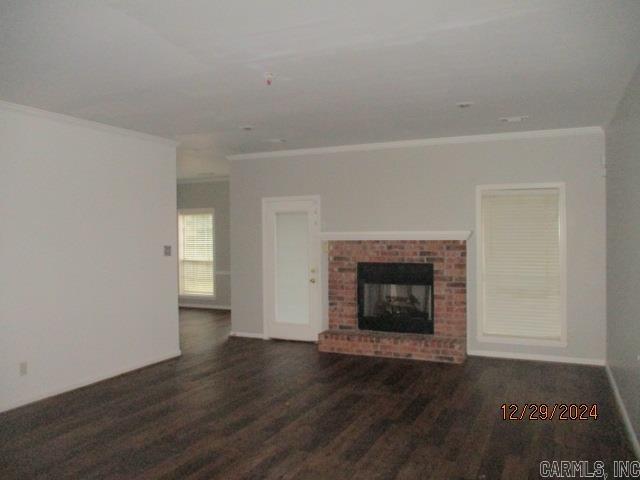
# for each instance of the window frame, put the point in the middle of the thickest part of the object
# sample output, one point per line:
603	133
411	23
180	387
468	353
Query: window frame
197	211
562	238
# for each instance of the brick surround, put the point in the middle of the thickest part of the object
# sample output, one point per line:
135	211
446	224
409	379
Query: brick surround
447	344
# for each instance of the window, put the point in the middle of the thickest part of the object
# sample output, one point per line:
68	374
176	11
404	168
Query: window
521	278
196	234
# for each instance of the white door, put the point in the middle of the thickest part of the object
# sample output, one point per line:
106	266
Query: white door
291	267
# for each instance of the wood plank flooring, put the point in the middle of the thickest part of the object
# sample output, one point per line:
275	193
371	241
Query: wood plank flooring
242	408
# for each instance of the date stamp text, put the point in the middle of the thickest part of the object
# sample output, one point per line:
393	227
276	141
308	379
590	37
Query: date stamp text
544	411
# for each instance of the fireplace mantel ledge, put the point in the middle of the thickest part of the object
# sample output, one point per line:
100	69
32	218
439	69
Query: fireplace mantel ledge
398	235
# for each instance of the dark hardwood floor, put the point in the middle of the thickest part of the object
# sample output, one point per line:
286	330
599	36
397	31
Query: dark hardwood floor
242	408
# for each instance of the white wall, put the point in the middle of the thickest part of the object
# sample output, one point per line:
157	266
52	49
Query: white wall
432	187
212	195
85	291
623	257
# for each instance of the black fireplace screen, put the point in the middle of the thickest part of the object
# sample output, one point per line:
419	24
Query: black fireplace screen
382	299
395	297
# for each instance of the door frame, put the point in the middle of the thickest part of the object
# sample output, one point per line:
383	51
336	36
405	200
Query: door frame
268	271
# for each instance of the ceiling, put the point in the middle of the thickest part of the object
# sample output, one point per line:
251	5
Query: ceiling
343	72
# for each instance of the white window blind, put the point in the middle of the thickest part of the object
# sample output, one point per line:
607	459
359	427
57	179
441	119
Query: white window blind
196	246
521	269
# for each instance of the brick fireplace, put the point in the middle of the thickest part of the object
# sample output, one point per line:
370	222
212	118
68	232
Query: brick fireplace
449	316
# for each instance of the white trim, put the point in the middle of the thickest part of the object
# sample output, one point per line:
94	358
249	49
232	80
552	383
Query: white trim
628	426
366	147
206	306
248	335
508	340
398	235
488	338
292	198
91	380
59	117
203	179
600	362
196	211
267	274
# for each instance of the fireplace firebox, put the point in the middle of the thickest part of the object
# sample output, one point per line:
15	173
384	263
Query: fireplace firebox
396	297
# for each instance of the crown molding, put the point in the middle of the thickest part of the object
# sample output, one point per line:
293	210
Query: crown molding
203	179
365	147
103	127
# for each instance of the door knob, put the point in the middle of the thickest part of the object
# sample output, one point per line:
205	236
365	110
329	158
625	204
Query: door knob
312	280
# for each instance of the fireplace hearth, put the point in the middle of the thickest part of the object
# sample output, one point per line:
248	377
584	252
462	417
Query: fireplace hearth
395	297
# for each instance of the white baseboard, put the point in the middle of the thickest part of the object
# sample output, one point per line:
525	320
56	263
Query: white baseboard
88	381
205	306
633	437
248	335
537	357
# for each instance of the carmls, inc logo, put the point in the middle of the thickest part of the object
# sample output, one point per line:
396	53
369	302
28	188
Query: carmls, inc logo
586	469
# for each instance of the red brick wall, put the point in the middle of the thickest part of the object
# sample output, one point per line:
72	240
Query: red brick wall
394	345
449	259
450	278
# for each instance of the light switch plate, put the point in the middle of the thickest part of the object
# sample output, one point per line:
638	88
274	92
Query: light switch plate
167	250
